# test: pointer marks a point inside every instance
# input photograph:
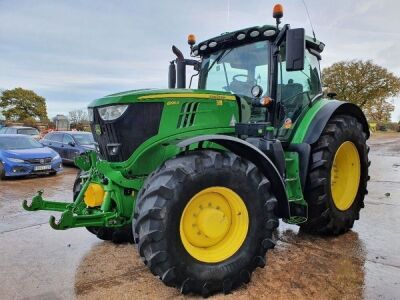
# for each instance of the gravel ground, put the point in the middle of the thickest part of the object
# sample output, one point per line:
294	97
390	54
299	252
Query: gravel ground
37	262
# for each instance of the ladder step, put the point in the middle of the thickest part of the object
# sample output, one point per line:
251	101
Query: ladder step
291	179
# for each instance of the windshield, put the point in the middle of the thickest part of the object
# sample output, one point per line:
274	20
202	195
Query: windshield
84	139
18	143
236	70
28	131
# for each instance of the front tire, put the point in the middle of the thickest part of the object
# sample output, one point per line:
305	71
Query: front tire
337	179
171	209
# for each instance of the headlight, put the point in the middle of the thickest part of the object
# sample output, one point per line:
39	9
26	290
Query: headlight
16	160
90	114
56	157
108	113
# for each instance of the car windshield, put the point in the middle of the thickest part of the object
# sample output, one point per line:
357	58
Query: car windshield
236	70
18	143
84	139
28	131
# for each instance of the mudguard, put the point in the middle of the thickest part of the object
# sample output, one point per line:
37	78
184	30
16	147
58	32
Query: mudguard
256	156
333	107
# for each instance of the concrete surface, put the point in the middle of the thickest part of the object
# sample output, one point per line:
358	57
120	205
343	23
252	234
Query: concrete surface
37	262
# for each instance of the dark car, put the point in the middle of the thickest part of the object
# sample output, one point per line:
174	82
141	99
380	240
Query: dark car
22	155
31	131
69	143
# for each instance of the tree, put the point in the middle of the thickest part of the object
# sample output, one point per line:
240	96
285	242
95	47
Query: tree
19	104
79	116
363	83
31	122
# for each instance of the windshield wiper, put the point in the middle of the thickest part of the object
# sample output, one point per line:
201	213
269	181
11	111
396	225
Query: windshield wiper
220	56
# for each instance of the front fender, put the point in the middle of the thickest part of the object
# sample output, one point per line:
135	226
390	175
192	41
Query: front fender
256	156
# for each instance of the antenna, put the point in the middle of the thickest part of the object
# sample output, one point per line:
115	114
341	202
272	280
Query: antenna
309	19
228	16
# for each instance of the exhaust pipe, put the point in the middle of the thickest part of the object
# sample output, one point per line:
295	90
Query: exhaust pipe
180	68
172	75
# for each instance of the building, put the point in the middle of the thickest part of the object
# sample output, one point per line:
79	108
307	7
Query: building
61	122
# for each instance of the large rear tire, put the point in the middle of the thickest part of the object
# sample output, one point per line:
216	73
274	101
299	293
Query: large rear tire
117	236
203	221
337	179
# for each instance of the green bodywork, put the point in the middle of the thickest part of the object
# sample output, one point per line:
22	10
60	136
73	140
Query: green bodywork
186	113
216	113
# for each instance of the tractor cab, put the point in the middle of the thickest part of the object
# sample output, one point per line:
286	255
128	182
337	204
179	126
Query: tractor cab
273	71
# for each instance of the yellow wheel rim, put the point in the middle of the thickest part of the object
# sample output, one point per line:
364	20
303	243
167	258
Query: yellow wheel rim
214	224
345	175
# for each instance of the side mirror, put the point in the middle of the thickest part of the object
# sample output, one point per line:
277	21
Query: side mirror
295	45
72	144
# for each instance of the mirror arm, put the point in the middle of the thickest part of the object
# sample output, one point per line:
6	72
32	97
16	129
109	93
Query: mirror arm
281	36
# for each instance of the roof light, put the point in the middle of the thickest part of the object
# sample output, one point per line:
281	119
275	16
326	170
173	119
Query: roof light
212	44
196	52
254	33
203	47
270	32
241	36
277	12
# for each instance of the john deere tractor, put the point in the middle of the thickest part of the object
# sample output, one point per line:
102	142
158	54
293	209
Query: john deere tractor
199	178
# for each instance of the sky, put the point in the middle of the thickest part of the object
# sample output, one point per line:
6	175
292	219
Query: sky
72	52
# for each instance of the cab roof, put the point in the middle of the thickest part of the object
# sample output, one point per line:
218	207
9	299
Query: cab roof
245	36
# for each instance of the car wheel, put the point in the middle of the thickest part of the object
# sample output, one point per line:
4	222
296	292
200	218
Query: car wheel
2	172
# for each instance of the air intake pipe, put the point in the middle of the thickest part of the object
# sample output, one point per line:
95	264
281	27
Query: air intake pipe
177	75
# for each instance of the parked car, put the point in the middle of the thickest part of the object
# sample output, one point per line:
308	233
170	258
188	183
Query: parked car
22	155
33	132
69	143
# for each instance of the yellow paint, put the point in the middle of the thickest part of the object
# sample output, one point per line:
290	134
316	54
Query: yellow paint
345	175
214	224
219	102
94	195
172	102
188	95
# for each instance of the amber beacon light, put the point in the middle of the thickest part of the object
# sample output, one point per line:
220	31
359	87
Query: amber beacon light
191	39
277	12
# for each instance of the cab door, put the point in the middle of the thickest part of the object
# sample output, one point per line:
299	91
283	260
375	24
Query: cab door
296	91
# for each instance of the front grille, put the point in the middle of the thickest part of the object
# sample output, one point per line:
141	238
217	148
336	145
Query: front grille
140	122
39	161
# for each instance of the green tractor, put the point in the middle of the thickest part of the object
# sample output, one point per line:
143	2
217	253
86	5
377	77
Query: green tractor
199	178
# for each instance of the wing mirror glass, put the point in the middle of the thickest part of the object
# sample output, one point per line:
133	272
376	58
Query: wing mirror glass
295	45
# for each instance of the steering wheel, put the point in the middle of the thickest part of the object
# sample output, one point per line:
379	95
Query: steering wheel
240	75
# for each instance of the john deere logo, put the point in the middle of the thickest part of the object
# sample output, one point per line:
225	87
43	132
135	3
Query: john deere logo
97	129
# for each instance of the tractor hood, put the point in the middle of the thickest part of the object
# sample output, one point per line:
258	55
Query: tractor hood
160	94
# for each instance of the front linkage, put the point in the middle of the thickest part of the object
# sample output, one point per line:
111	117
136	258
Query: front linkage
116	202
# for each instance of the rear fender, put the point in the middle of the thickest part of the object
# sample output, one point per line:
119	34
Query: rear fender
332	108
256	156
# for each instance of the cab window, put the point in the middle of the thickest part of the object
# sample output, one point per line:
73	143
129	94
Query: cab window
237	70
296	90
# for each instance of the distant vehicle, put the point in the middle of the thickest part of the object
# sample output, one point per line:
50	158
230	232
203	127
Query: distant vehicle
69	144
21	130
22	155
